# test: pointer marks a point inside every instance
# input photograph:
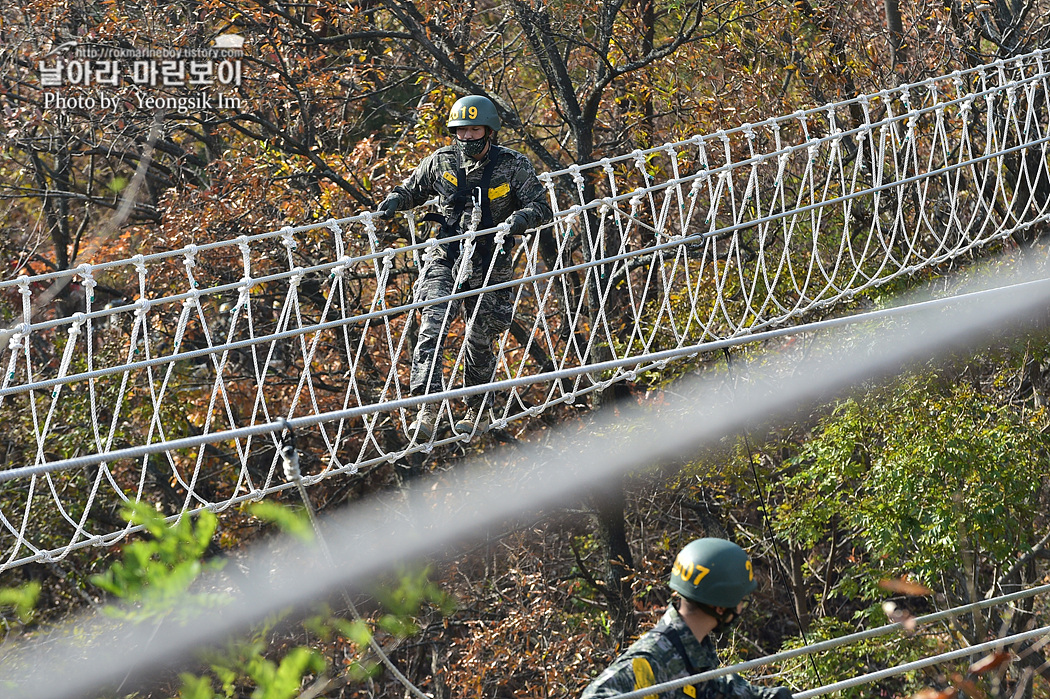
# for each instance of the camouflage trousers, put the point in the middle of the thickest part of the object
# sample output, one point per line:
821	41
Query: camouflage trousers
486	317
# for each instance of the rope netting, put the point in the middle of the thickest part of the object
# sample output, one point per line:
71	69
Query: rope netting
719	236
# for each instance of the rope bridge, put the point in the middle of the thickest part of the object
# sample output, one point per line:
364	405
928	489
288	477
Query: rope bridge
186	358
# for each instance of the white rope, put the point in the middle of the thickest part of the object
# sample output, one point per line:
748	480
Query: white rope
681	247
652	361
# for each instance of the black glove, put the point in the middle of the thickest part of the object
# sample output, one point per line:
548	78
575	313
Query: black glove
388	208
783	693
517	224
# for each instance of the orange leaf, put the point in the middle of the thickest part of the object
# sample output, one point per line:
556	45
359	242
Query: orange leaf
990	662
903	586
929	693
969	688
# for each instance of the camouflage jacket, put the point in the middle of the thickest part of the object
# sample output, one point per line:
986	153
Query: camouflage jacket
653	659
513	188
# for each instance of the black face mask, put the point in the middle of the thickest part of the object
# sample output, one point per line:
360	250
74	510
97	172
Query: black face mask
725	619
472	149
726	622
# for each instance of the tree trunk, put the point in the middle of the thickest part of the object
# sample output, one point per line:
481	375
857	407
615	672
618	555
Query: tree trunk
894	31
609	507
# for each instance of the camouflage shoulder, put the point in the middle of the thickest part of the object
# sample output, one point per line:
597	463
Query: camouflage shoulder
514	160
626	674
441	159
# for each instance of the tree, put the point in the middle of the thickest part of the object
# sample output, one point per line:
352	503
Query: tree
948	496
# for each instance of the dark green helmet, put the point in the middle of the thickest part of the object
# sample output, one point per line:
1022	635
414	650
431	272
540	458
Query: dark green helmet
714	572
473	110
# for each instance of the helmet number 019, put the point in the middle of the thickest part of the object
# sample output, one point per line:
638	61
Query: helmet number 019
685	571
470	112
750	572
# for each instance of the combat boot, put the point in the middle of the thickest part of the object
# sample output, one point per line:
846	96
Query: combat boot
422	428
474	421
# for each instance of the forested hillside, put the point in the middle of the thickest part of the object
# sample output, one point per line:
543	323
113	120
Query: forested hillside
924	491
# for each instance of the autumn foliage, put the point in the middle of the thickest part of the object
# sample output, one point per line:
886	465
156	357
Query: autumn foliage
337	101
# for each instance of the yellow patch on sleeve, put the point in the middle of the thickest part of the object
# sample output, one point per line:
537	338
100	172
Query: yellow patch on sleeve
451	178
643	675
690	690
501	191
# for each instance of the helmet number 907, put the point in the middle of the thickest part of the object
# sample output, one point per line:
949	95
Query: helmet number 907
750	572
686	571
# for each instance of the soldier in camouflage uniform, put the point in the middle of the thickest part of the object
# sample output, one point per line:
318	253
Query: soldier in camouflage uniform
472	177
712	576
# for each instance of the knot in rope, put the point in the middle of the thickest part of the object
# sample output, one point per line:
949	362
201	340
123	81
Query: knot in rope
88	282
813	148
572	215
501	234
640	161
672	153
242	243
288	451
244	292
636	200
577	178
15	343
370	230
190	254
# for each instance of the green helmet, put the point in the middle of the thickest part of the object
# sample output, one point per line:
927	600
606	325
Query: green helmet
473	110
714	572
